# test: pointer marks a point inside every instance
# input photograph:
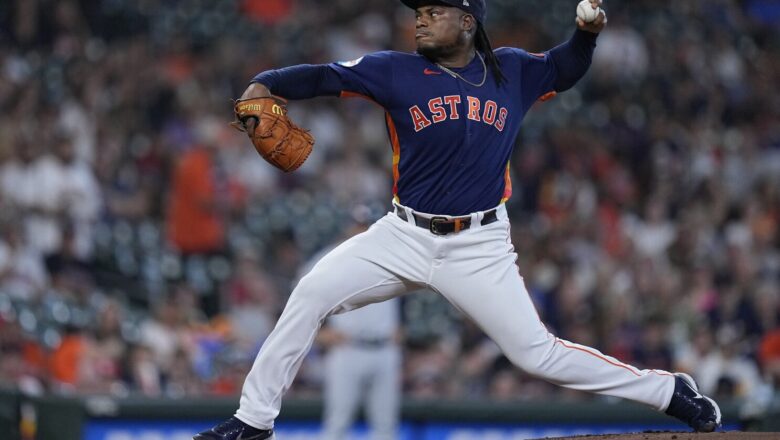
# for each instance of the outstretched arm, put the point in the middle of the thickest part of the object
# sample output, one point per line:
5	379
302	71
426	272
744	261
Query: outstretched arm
367	76
560	68
573	58
296	82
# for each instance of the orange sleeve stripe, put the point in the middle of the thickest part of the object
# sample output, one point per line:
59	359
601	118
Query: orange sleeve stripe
396	152
548	96
507	185
346	94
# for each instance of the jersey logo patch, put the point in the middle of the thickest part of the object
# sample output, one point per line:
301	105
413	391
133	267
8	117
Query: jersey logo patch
352	63
428	71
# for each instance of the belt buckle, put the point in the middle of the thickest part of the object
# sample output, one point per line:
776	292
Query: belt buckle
436	221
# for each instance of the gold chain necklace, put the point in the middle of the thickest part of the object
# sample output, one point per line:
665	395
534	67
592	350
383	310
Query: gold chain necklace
456	75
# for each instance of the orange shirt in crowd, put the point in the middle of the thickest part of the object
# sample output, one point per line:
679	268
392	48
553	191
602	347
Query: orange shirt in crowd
65	360
770	347
268	11
193	224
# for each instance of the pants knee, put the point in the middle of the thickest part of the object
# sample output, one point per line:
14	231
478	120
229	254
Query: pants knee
308	298
531	356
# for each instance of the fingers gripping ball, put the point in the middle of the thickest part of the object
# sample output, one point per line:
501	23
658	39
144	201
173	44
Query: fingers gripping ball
280	142
586	12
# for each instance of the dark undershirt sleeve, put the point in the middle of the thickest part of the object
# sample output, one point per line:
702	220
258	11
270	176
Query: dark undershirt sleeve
572	59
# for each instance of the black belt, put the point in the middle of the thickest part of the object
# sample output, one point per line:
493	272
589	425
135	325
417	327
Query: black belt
446	225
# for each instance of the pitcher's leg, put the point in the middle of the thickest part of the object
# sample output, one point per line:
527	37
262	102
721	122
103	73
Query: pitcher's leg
353	275
496	299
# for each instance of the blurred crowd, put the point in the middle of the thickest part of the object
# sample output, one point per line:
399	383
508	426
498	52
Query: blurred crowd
145	247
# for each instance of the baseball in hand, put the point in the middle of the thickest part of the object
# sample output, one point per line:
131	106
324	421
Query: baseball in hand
586	12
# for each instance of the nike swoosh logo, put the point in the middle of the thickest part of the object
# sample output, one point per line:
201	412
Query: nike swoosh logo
431	72
694	388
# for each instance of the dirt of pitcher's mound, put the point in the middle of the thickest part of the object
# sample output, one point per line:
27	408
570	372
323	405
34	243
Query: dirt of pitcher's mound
727	435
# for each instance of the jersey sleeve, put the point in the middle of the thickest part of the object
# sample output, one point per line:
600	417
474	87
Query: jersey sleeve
370	76
538	74
303	81
556	70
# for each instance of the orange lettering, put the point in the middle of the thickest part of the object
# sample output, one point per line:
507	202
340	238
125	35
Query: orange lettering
435	106
474	106
491	108
453	101
419	119
502	119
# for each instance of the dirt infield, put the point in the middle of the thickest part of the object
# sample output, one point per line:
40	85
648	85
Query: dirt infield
729	435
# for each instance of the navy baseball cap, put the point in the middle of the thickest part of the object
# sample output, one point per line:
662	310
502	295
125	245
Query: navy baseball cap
477	8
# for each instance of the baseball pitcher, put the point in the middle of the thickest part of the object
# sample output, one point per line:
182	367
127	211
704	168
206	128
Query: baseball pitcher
453	110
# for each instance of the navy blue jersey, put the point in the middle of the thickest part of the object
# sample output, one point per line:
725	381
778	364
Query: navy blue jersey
451	140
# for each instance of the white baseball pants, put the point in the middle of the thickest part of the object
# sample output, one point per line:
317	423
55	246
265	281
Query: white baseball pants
475	270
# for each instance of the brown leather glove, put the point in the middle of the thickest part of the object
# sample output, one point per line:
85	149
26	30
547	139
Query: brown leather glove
280	142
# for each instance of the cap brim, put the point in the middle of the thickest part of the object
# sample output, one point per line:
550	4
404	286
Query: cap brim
414	4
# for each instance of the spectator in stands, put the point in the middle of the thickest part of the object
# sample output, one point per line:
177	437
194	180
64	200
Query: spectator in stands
252	302
142	371
22	272
769	355
199	202
725	371
160	336
22	360
181	379
107	349
68	193
67	361
201	198
18	183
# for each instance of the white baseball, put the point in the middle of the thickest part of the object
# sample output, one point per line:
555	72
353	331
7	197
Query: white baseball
586	12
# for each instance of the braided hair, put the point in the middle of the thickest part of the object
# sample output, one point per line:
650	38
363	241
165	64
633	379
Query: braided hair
482	44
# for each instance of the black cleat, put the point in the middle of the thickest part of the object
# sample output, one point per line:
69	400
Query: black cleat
700	412
234	429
